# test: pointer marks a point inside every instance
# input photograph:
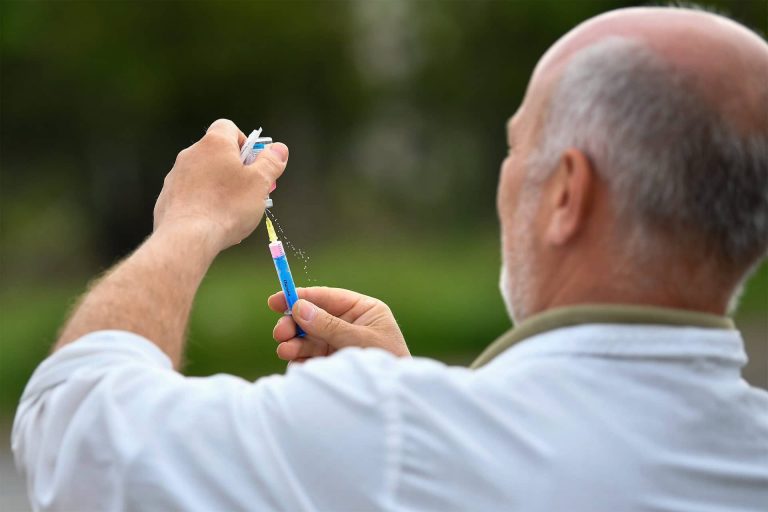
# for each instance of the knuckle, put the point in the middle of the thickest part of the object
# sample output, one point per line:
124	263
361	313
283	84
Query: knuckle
224	122
183	155
371	303
264	175
215	139
308	350
269	165
263	181
330	323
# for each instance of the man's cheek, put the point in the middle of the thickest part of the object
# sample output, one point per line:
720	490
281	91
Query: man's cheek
506	201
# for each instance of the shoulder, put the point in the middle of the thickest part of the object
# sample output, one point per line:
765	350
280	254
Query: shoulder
361	385
374	369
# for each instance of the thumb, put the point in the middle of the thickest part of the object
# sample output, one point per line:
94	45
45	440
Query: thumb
272	161
317	322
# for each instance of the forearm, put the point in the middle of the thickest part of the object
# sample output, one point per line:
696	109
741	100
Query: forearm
150	293
209	201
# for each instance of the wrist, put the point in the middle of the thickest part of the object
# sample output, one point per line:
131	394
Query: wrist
193	238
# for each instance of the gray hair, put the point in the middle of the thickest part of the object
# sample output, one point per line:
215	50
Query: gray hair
674	165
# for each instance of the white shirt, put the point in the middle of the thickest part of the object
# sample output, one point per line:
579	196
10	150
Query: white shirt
586	418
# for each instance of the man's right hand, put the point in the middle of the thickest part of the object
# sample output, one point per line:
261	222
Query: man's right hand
334	318
211	190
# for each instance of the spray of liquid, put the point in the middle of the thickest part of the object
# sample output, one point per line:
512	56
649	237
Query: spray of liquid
271	222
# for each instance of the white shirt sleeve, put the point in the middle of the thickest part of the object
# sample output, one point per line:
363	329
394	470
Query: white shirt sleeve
106	424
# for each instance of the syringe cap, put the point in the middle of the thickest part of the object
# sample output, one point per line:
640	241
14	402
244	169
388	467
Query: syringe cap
262	140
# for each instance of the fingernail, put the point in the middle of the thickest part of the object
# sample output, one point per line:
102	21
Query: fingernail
307	310
280	149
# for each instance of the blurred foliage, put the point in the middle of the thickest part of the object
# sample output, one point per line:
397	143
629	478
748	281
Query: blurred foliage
394	112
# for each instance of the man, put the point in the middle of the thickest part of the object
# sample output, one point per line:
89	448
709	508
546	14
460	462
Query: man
633	204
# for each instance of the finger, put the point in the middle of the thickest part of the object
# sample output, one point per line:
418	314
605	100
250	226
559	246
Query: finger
297	348
319	324
227	130
345	304
288	350
284	330
276	302
272	161
336	301
302	348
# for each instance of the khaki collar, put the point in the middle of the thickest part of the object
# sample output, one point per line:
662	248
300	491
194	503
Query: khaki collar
600	314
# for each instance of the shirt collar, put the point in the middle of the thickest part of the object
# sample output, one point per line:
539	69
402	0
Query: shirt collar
600	314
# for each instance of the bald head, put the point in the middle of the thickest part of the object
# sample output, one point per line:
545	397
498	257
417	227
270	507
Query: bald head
639	164
725	63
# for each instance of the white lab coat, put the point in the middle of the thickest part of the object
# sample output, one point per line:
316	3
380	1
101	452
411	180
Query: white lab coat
586	418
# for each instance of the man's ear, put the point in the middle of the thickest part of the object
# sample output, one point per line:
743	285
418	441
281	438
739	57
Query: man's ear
569	195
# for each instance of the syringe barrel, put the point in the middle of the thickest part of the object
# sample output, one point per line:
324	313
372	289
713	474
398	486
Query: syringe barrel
286	279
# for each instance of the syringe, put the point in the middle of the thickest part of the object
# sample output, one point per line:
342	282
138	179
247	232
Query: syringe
283	271
252	146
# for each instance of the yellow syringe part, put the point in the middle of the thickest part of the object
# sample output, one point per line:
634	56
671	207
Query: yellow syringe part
271	230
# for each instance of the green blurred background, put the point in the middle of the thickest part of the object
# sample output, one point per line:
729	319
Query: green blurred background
394	112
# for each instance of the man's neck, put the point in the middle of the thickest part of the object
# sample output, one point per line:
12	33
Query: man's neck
593	281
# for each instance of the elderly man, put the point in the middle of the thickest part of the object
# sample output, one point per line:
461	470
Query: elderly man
633	204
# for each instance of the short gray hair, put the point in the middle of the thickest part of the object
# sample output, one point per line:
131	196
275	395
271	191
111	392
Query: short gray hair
674	165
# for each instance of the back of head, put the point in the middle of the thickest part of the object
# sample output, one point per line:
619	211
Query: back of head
688	178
